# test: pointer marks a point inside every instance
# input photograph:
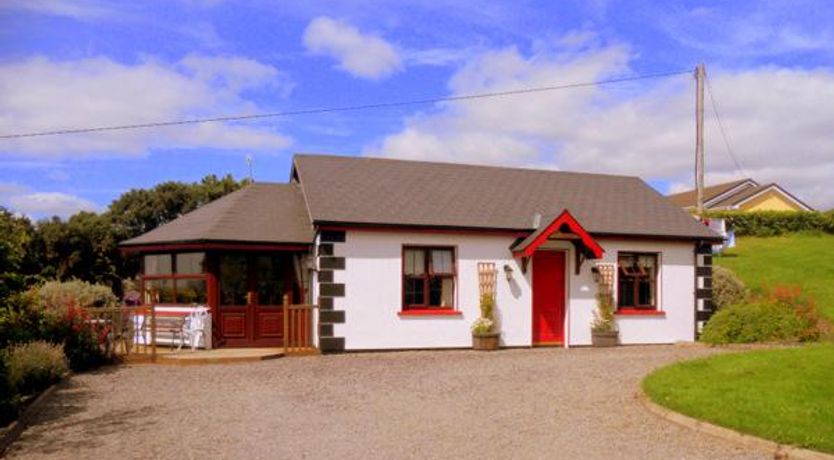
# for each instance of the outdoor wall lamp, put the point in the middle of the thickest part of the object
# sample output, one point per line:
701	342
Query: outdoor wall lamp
596	274
509	272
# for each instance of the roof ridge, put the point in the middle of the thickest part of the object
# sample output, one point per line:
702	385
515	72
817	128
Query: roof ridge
468	165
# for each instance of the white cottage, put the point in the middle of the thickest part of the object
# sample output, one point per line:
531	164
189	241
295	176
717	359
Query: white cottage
389	250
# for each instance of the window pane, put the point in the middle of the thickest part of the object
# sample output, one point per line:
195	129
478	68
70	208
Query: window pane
270	273
415	262
191	291
637	276
414	294
645	292
158	291
233	280
625	291
158	264
441	291
441	260
190	263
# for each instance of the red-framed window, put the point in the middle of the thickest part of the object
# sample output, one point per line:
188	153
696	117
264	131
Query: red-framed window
637	275
429	275
174	278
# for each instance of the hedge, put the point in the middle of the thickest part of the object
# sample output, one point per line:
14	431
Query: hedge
772	223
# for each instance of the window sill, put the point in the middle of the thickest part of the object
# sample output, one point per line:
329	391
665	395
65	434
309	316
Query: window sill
637	312
429	312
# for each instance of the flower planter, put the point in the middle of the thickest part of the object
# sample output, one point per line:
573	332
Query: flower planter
605	339
485	342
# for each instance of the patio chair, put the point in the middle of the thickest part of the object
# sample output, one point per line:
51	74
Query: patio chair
193	328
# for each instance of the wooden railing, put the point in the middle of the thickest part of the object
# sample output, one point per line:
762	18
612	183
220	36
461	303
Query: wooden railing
298	329
121	331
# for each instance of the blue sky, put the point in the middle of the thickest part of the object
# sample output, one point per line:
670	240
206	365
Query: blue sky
75	64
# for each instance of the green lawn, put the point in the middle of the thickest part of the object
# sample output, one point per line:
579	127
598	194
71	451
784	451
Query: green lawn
799	259
786	395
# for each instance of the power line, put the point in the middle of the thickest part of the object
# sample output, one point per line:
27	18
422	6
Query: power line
339	109
723	131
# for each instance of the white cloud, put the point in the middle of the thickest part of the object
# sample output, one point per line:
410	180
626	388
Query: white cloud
748	29
360	54
39	94
24	201
73	9
778	120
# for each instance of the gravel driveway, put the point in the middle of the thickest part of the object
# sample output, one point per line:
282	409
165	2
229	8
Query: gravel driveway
539	403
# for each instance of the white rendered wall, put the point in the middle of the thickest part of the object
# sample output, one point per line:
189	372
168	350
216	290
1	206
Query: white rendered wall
676	296
373	293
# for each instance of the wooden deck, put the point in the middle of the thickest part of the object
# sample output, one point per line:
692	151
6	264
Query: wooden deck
186	357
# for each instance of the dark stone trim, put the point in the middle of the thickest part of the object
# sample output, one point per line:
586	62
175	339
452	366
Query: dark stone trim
331	316
325	303
703	271
332	263
332	236
332	289
326	249
325	330
703	315
707	261
704	249
708	305
326	276
703	293
332	344
707	282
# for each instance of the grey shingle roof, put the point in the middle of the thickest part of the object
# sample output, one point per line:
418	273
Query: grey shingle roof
395	192
687	199
257	213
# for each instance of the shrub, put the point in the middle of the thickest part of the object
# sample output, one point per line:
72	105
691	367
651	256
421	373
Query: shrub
604	314
8	409
782	316
76	293
482	326
727	288
34	366
772	223
487	306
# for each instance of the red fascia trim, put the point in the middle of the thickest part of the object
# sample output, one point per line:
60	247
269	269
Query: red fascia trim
216	246
429	312
639	312
565	218
431	230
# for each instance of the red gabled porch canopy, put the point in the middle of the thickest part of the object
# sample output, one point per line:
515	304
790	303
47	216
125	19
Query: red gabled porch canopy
563	227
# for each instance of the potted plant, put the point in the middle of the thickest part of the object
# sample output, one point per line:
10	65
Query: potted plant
484	336
604	331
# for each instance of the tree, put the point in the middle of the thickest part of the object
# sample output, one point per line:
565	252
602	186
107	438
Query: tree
85	246
17	260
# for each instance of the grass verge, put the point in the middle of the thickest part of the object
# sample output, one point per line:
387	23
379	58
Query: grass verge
785	395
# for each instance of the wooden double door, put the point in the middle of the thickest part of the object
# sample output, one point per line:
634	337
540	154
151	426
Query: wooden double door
251	288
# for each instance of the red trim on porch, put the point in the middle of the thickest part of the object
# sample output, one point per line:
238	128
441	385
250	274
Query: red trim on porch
430	312
639	312
217	246
565	218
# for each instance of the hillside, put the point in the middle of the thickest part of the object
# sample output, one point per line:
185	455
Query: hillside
797	259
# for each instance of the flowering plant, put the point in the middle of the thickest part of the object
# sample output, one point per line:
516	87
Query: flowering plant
482	326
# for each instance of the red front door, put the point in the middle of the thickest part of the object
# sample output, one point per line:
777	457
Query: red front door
548	297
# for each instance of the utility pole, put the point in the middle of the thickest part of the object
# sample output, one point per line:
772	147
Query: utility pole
700	75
